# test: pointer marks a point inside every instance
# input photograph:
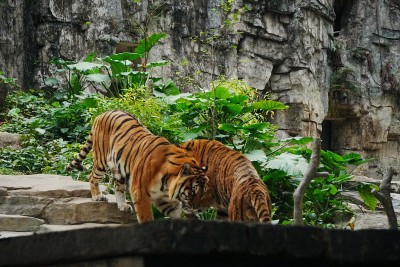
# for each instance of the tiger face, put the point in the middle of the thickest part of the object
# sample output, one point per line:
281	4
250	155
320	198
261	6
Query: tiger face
190	183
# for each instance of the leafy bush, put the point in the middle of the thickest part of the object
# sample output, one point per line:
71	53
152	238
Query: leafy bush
112	74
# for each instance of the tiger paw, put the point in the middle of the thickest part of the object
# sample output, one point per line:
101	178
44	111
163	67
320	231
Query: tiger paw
125	208
100	197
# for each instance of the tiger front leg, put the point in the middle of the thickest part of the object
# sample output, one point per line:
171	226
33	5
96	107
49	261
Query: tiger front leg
143	209
171	209
120	196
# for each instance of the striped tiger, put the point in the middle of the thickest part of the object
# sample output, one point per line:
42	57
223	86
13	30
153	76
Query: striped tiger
158	172
234	187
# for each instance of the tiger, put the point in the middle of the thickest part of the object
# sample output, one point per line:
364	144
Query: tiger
158	172
234	187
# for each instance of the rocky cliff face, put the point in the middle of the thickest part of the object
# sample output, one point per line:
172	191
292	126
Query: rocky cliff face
334	62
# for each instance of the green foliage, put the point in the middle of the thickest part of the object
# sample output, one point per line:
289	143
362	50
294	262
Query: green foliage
343	79
151	111
53	127
112	74
208	215
7	80
322	201
229	112
365	192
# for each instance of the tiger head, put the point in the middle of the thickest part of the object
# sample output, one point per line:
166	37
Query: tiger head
190	182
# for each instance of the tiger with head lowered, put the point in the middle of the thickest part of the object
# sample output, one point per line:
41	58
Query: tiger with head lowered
234	185
157	171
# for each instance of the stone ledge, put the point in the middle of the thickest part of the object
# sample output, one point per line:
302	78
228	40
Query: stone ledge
19	223
213	243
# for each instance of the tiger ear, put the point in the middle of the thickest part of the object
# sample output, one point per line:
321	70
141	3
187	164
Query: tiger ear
204	168
186	169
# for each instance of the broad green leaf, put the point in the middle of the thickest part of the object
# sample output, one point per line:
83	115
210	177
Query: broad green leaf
84	66
157	64
89	57
190	136
298	140
232	108
269	105
293	165
169	88
364	191
40	130
97	78
369	199
170	99
51	82
228	127
239	99
182	104
222	92
146	44
256	126
355	159
125	56
257	155
331	155
90	102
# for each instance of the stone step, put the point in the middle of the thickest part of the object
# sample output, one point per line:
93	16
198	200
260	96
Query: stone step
46	228
18	223
57	200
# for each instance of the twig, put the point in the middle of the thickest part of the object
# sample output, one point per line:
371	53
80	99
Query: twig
310	174
384	197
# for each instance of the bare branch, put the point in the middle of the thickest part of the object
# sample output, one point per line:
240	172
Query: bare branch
384	197
310	174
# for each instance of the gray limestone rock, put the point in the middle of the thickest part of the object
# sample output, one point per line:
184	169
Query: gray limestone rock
55	199
10	140
18	223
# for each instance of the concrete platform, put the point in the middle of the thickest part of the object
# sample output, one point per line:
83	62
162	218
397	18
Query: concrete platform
203	243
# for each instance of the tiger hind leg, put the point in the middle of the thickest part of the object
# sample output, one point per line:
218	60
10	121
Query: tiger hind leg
94	180
120	187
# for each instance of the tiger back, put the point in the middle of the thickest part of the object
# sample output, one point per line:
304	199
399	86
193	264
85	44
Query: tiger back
158	172
234	185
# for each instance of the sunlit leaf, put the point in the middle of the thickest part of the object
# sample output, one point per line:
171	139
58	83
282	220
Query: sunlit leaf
269	105
294	165
222	92
84	66
298	140
146	44
97	78
228	127
40	130
125	56
51	82
365	192
157	64
257	155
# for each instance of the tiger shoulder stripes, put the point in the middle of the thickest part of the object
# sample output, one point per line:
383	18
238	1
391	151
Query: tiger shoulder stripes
234	187
157	171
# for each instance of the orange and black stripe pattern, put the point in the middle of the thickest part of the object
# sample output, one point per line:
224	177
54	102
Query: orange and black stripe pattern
234	185
157	171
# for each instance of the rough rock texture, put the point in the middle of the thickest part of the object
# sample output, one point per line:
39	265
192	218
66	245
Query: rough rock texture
10	140
29	203
335	63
